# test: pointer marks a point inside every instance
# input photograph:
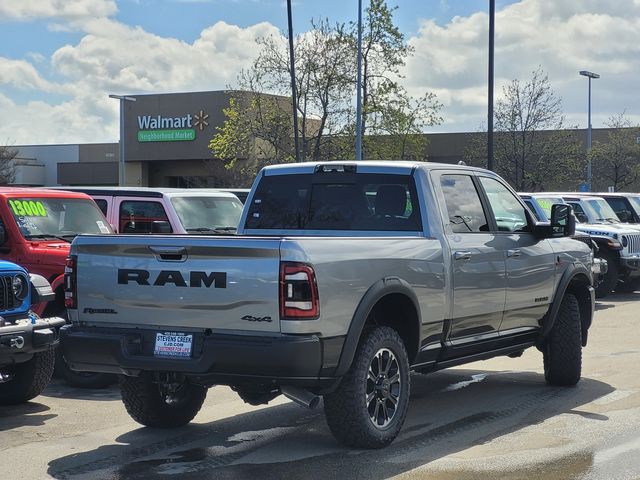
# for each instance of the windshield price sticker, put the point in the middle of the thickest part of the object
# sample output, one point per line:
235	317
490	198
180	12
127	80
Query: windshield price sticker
173	344
28	208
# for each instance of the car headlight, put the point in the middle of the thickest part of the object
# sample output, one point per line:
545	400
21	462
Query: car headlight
20	287
625	241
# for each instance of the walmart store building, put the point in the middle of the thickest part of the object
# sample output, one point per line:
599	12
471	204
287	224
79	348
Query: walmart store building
166	144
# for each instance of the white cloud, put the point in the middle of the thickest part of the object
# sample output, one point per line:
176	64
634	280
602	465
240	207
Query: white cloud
116	58
68	9
561	37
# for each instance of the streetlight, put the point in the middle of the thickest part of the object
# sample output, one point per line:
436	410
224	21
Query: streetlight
589	75
492	29
122	98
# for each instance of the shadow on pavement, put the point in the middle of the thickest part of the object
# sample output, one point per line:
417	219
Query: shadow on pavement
26	414
450	411
58	388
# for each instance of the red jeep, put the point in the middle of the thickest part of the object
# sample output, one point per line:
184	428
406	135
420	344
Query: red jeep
36	228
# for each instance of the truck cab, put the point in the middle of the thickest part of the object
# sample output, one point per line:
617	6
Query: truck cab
147	210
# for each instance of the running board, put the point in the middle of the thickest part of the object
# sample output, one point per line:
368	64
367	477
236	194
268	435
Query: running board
454	362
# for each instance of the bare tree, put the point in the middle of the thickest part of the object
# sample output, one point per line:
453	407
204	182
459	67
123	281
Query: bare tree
7	165
616	162
532	148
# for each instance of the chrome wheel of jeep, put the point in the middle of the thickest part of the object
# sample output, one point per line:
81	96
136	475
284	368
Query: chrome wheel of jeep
383	388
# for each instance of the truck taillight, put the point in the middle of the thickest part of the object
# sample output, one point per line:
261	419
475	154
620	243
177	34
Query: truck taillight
70	287
298	292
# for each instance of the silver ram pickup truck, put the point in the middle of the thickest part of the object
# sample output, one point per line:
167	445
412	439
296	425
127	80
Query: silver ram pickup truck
342	279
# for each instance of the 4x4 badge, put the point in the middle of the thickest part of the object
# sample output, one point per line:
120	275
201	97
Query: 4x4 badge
250	318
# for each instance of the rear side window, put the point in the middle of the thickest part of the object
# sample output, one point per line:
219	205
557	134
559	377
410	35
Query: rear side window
335	201
102	205
138	216
464	207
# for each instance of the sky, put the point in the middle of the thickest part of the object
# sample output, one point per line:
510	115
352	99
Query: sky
60	59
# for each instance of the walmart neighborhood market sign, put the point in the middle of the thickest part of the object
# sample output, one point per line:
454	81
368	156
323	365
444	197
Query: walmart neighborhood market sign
157	128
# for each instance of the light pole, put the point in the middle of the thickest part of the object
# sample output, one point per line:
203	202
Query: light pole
294	96
359	87
492	29
589	75
122	99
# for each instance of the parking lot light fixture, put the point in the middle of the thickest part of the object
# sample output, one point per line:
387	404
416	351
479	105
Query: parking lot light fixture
589	75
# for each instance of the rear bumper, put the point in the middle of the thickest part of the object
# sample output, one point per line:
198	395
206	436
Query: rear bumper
216	358
20	339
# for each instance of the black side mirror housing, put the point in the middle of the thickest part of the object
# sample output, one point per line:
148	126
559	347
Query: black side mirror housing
160	226
563	222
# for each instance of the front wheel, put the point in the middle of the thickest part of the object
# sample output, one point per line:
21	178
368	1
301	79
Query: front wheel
29	379
369	407
562	351
161	405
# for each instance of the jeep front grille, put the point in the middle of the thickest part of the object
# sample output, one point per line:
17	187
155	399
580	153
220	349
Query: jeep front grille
7	300
633	245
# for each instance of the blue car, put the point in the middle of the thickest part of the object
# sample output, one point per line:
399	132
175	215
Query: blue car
27	342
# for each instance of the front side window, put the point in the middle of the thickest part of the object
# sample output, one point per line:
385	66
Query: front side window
579	212
464	208
208	214
621	208
50	218
138	216
509	213
335	201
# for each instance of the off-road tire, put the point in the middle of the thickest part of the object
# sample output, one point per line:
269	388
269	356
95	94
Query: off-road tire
29	378
610	279
562	351
83	379
346	408
146	405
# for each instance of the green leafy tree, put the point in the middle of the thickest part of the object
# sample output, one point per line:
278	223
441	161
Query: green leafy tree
260	131
616	162
533	150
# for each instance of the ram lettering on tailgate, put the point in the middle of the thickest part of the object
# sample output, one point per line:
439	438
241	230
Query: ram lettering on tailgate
175	277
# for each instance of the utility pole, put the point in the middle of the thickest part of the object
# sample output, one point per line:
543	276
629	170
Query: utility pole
122	99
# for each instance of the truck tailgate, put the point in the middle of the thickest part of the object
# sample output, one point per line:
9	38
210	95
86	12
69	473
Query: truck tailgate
220	283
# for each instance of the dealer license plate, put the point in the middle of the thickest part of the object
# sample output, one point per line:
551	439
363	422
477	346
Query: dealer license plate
173	344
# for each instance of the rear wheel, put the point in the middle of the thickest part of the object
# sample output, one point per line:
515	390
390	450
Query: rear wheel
161	405
29	379
562	351
83	379
369	407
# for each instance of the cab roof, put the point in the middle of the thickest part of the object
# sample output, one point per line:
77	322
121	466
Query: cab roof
149	192
401	167
40	192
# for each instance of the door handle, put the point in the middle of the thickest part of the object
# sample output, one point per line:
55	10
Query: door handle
462	255
175	254
513	253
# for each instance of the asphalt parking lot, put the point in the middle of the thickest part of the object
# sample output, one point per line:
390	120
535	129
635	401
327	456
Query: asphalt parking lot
494	419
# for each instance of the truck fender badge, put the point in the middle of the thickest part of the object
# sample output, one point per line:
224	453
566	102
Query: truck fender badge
91	311
250	318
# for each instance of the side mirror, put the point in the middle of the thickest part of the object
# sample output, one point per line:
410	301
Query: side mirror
563	223
160	226
3	235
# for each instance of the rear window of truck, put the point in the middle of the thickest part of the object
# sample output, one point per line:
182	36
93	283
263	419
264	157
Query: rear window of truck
335	201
